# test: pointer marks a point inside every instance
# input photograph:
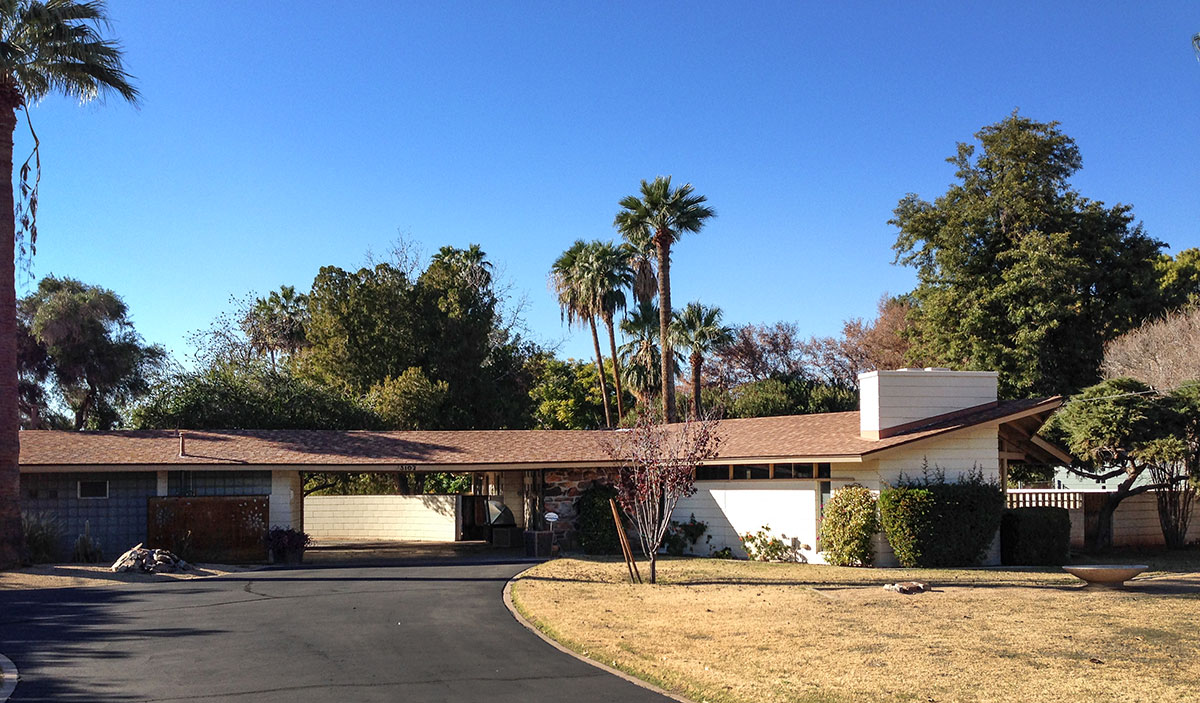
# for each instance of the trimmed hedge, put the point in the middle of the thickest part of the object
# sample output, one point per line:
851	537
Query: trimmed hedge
931	523
1035	537
850	522
597	533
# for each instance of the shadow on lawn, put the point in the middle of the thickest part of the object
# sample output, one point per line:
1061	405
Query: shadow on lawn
47	632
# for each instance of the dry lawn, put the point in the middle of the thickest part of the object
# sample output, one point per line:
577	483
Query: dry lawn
741	631
74	575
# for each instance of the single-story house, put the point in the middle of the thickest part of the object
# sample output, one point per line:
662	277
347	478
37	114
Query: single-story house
773	471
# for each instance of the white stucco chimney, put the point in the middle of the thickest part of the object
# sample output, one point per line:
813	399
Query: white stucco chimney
891	401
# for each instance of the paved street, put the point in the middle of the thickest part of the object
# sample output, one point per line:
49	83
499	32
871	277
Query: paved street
410	633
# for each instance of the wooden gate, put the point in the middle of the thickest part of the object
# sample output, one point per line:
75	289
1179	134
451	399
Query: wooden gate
230	529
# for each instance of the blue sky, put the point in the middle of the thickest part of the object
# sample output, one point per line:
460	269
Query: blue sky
274	141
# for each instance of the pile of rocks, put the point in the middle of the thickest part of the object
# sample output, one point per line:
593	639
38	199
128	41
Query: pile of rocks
149	561
908	588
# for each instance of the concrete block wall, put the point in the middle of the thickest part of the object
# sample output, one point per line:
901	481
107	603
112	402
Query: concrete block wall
118	521
418	518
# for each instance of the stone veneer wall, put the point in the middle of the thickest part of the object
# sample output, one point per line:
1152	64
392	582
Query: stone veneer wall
563	487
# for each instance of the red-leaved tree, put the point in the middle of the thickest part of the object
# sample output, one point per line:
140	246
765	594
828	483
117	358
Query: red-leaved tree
658	467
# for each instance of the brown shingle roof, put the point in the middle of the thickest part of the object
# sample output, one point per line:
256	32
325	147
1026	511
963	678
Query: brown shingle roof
824	435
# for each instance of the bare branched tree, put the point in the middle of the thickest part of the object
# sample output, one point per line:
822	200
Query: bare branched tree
1162	353
658	468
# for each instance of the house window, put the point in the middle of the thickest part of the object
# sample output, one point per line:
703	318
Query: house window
712	473
781	471
751	471
822	470
93	489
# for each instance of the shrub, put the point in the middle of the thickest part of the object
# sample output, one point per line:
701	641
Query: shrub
597	532
932	523
285	541
850	522
763	546
42	532
1035	537
683	536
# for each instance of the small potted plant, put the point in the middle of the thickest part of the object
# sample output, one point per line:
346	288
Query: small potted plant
286	546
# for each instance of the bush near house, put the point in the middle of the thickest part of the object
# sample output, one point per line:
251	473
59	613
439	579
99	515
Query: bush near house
1035	537
597	532
932	523
850	522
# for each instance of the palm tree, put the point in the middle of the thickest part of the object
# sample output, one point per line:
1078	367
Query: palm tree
698	331
608	275
277	323
46	47
642	362
578	303
662	214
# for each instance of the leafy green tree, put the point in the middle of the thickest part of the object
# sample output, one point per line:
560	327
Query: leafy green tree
364	327
1122	429
661	215
377	323
232	397
1017	271
86	343
52	47
564	395
790	395
572	277
410	401
698	331
1179	278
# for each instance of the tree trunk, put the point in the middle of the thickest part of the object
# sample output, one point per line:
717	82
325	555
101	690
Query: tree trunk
696	360
612	347
600	369
653	567
663	245
11	539
1104	523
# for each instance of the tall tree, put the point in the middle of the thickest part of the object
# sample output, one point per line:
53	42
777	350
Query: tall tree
641	363
608	274
91	350
277	324
1019	273
698	332
45	47
572	280
662	214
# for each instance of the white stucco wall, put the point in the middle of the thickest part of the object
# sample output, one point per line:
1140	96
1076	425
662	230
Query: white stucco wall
419	518
956	454
790	507
731	508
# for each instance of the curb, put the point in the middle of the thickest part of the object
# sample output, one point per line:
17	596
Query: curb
512	609
11	677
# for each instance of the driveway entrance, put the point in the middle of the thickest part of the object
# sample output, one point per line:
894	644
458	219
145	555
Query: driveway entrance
385	552
416	633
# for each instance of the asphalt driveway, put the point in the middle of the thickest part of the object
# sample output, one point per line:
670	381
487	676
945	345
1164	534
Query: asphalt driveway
410	633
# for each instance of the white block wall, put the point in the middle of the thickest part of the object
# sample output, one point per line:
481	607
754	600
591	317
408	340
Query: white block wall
1135	523
418	518
892	398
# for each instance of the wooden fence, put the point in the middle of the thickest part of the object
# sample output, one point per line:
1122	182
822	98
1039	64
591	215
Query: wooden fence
1135	522
230	529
